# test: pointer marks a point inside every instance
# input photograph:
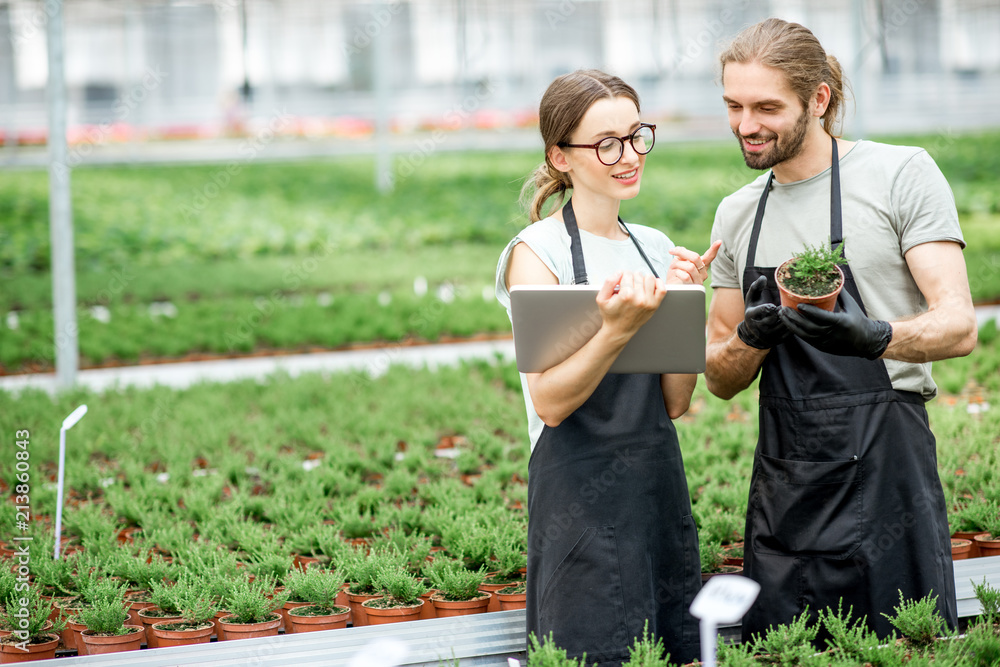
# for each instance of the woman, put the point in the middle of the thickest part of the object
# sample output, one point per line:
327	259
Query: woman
611	540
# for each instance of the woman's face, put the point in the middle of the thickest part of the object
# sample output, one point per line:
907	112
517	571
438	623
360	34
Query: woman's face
608	117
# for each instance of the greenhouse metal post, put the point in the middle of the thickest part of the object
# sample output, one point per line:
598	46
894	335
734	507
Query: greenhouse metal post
60	208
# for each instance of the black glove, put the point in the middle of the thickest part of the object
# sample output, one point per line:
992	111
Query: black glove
762	326
847	333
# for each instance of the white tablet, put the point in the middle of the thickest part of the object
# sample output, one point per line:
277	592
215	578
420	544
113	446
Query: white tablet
551	322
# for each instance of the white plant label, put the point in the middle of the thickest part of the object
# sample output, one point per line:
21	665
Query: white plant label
725	598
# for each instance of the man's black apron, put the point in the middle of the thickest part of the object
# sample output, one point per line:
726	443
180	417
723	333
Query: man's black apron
845	499
611	540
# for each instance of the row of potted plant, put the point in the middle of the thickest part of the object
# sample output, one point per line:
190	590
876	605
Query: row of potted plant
922	641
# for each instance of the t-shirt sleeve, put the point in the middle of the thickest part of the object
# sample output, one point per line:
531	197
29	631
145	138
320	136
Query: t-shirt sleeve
923	204
536	238
724	273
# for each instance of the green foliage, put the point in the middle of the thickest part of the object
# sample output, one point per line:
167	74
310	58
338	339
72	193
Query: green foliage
814	271
647	652
849	639
197	607
545	653
253	602
454	581
917	620
314	585
107	610
38	610
399	584
989	601
710	553
787	644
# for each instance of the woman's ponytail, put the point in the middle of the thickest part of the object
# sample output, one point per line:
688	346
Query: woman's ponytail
543	184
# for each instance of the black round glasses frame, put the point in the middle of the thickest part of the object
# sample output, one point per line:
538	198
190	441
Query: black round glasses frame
621	143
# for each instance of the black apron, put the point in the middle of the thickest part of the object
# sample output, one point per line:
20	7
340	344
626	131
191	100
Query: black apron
611	539
845	499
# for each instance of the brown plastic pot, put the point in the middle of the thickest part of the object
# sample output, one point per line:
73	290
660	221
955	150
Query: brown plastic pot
99	644
167	637
970	535
10	654
148	621
510	601
250	630
445	608
359	616
960	548
793	300
428	610
288	606
382	616
316	623
989	545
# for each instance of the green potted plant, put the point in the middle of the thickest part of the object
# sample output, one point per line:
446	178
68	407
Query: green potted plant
508	560
790	644
196	623
458	588
400	599
989	541
545	653
106	618
918	621
812	276
32	635
850	640
140	571
647	652
513	596
968	521
314	592
165	599
713	557
252	607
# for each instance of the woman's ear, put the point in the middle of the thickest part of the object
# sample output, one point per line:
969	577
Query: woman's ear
558	159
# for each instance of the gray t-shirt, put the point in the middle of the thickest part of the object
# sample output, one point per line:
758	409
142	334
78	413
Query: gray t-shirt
604	257
893	198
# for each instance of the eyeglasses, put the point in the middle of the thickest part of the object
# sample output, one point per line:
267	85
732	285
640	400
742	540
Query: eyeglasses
610	149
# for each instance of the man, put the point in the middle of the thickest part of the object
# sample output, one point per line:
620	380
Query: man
845	501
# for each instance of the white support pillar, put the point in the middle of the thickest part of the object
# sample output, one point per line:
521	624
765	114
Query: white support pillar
60	207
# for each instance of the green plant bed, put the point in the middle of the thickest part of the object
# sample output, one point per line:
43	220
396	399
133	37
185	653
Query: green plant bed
318	610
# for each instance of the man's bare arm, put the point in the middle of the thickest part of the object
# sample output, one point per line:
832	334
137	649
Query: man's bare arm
730	364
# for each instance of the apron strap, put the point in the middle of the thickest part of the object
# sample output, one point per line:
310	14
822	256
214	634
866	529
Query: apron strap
836	218
576	248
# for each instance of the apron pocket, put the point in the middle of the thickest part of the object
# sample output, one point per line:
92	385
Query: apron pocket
582	603
807	508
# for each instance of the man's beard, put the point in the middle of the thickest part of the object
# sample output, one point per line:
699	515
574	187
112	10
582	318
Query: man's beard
784	148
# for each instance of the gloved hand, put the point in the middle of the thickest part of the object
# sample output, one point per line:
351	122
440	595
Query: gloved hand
847	333
762	326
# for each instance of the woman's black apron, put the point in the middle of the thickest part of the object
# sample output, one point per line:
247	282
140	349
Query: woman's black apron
845	499
611	540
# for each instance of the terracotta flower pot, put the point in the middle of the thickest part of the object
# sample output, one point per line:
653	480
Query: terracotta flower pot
383	615
488	587
725	569
75	630
288	606
250	630
10	654
147	623
511	600
960	548
98	644
989	545
445	608
302	623
792	300
168	637
971	536
428	610
133	611
220	632
359	617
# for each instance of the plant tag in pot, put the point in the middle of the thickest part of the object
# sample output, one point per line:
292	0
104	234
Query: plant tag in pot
723	599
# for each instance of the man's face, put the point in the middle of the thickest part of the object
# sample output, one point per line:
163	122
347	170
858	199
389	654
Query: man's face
766	116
